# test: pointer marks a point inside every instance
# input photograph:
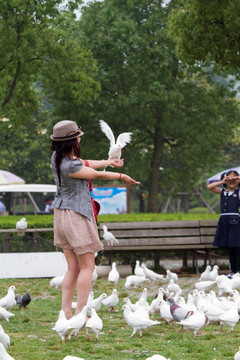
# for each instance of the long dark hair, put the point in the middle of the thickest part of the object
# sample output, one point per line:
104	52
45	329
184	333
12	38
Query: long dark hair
65	149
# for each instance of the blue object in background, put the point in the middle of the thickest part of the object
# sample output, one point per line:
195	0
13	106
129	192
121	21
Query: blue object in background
113	200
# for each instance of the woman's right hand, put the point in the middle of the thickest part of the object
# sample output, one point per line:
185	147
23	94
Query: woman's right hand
128	180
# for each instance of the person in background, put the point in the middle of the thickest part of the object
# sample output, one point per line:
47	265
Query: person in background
228	229
2	206
49	205
75	228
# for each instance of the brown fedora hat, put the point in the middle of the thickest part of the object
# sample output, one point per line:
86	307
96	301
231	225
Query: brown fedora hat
66	130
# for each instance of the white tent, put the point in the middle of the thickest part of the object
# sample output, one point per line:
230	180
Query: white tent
217	177
44	188
27	191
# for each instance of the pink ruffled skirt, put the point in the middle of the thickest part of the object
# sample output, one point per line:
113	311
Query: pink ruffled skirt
74	231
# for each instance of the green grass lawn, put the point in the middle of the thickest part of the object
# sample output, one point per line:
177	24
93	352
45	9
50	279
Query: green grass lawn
32	336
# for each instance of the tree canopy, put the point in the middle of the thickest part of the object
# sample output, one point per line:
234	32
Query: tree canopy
40	62
179	116
207	31
35	45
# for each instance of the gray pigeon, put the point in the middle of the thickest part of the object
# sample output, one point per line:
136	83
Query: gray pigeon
178	313
23	300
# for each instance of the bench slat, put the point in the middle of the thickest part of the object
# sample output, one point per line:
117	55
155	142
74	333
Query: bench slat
157	241
164	247
154	233
151	225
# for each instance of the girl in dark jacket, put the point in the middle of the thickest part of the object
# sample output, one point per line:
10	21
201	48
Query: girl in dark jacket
228	229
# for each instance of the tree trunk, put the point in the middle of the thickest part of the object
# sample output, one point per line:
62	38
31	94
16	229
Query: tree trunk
155	173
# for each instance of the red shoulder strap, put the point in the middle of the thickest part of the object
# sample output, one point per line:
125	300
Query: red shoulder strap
90	181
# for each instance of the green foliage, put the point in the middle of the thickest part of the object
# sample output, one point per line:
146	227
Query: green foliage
31	331
39	56
207	31
46	221
179	116
34	221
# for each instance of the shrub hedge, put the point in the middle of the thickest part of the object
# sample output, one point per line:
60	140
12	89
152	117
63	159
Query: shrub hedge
46	221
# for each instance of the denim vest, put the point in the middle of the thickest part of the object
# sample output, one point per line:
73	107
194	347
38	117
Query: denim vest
74	193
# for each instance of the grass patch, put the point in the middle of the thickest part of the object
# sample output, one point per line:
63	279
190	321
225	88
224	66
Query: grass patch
30	330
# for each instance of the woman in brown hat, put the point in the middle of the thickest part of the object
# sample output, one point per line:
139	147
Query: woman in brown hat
75	229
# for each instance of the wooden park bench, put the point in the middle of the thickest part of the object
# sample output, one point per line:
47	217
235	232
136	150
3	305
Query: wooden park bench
158	236
145	237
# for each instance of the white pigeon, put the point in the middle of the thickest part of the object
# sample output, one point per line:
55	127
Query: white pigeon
152	275
62	327
136	322
138	270
69	357
94	324
235	281
56	281
4	338
195	322
230	317
157	357
112	300
237	355
143	298
114	275
3	353
205	285
224	285
5	314
172	287
171	276
214	273
9	301
115	147
21	224
97	302
212	313
78	321
134	280
94	275
90	298
142	310
109	237
205	276
164	309
154	307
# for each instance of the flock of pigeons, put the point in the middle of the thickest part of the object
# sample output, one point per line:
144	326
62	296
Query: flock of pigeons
202	307
6	304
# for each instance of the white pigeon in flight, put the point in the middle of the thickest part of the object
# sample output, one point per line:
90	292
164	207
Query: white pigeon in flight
115	147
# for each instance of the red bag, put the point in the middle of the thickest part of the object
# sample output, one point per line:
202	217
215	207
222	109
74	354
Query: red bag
96	206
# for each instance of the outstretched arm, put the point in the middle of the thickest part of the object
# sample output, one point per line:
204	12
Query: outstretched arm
98	164
89	173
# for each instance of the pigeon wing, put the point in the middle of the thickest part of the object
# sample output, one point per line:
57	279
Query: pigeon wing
124	138
107	131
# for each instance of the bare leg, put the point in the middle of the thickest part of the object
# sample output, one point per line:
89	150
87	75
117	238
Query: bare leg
84	282
69	281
